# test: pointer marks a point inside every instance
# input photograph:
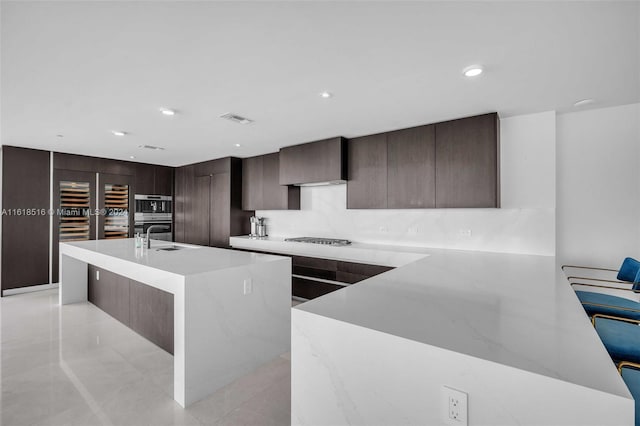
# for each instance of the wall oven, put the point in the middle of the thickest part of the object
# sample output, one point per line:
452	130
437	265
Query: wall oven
163	230
154	210
153	205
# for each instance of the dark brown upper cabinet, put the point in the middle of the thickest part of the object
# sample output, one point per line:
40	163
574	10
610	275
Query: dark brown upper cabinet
452	164
149	178
261	189
92	164
163	180
252	183
394	170
25	222
153	180
314	162
367	184
467	162
411	168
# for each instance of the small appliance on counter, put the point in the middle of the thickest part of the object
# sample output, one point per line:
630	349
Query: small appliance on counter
258	227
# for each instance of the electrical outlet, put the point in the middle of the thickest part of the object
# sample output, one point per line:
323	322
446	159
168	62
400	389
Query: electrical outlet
455	406
248	286
383	229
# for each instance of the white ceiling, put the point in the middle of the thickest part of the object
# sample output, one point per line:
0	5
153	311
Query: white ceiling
82	69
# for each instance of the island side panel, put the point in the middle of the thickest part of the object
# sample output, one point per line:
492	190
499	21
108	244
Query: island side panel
343	374
179	359
73	280
229	333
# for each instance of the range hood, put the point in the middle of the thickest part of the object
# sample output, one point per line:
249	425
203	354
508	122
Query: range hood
315	163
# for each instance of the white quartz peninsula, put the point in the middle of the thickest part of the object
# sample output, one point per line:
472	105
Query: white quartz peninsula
231	308
506	329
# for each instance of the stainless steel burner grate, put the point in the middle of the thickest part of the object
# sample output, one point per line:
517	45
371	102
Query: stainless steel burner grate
316	240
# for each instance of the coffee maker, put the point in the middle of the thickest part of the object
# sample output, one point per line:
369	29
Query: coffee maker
258	227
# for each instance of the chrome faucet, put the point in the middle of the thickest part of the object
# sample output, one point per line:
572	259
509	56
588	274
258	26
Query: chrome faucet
149	231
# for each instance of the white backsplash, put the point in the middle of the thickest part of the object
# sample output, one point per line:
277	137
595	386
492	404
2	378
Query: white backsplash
324	213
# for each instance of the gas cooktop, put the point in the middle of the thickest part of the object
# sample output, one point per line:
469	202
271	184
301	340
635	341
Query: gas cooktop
315	240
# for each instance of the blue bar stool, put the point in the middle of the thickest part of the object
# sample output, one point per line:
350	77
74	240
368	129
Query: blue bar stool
595	300
630	372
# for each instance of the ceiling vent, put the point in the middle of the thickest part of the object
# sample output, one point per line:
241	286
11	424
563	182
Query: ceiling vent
150	147
236	118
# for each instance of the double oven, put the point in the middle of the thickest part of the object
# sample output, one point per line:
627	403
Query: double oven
154	210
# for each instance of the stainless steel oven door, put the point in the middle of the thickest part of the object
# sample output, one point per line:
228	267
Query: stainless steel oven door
152	217
163	230
164	236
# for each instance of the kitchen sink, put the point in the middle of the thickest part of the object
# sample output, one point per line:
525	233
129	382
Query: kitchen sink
170	248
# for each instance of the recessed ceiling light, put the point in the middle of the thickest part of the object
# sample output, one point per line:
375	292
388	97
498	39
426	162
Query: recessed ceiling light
132	157
238	145
167	111
326	95
118	133
583	102
472	71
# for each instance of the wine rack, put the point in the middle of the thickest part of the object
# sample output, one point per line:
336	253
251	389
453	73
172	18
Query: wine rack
116	206
75	210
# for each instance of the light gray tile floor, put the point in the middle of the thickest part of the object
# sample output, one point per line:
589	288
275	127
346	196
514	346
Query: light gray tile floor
76	365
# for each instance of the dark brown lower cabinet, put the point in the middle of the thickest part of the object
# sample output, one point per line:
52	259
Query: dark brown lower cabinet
363	269
314	267
306	271
145	309
309	273
314	272
151	314
109	292
310	289
351	272
350	278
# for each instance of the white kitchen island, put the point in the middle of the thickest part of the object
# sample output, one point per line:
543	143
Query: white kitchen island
231	308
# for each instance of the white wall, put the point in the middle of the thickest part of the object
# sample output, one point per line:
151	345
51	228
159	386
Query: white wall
524	224
598	191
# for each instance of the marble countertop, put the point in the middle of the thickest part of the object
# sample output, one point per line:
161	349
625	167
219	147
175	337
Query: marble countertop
512	309
190	260
515	310
385	255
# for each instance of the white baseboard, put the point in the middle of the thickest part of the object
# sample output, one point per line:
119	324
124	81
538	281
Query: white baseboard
29	289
